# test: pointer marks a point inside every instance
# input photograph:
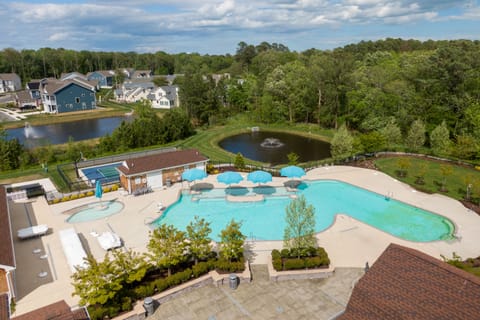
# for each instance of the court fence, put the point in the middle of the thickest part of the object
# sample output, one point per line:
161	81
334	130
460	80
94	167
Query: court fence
69	172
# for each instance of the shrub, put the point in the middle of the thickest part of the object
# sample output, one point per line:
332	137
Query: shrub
285	253
126	304
89	193
56	200
64	199
277	264
81	195
200	269
313	262
73	196
294	264
223	265
97	312
144	291
161	284
276	254
114	187
106	189
179	277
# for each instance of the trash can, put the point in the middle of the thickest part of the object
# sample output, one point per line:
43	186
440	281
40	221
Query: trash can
149	306
233	281
169	183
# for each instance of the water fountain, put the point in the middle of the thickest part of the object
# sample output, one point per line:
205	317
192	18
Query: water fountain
30	132
271	143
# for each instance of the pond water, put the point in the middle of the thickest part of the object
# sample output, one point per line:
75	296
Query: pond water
58	133
273	147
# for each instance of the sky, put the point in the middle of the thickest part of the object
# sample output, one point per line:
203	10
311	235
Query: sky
217	26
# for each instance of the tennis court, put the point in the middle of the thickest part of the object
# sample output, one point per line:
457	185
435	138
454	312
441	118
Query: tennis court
105	173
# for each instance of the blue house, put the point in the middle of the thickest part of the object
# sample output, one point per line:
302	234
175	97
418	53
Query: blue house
67	96
104	78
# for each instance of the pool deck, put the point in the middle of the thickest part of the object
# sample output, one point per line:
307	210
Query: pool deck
349	243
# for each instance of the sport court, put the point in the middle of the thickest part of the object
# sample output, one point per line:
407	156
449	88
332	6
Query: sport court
105	173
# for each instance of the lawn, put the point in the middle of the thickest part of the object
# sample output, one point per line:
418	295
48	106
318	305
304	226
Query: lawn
438	177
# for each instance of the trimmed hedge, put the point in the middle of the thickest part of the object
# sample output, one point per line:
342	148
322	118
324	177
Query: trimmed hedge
310	258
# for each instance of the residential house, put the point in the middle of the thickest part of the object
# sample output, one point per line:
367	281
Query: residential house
59	310
142	74
7	258
158	170
104	77
66	96
134	90
407	284
10	82
25	101
33	87
165	97
170	78
72	75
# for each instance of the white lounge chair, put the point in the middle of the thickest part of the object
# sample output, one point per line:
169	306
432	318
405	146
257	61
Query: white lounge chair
33	231
109	240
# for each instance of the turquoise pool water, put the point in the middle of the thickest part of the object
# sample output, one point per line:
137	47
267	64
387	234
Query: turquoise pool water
265	220
94	211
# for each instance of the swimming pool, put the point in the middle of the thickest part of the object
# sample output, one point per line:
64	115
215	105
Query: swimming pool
93	211
265	220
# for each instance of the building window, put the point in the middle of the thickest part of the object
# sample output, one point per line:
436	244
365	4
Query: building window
77	99
83	94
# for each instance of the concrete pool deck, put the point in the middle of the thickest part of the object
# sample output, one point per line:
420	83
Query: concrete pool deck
349	243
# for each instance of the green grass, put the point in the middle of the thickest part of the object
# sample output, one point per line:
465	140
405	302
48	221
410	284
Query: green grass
455	183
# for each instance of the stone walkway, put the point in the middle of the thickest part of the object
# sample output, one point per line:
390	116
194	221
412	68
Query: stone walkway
264	299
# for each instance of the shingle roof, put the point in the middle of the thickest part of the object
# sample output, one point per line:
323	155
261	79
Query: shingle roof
407	284
53	86
55	311
9	76
7	257
162	161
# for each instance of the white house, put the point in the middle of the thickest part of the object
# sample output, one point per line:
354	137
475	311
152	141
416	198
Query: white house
10	82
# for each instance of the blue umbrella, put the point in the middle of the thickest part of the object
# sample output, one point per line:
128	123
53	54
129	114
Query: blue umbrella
98	190
229	177
194	174
292	172
259	176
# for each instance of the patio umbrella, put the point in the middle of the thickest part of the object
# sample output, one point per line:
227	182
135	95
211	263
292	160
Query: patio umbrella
98	191
229	177
292	172
259	176
193	174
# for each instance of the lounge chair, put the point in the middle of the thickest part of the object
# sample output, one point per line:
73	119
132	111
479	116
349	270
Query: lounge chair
109	240
33	231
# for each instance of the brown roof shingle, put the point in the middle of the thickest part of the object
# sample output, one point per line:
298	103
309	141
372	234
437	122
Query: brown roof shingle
55	311
407	284
7	256
164	160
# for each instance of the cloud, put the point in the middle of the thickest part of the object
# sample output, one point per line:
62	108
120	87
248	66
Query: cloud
149	24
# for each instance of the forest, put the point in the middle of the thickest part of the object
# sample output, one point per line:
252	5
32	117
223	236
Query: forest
378	90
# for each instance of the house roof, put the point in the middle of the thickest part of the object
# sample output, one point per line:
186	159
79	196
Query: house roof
7	256
55	311
159	161
9	76
72	75
53	86
105	73
141	74
24	96
33	85
407	284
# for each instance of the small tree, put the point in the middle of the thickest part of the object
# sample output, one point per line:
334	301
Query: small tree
342	144
403	165
299	232
167	247
421	172
468	181
198	239
98	283
129	265
392	133
292	158
239	161
446	170
440	139
416	135
231	241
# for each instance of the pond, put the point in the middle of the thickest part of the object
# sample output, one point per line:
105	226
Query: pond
58	133
273	147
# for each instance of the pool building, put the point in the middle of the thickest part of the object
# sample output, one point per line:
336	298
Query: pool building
158	170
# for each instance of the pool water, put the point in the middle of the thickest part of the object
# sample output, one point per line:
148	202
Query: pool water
265	220
94	211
